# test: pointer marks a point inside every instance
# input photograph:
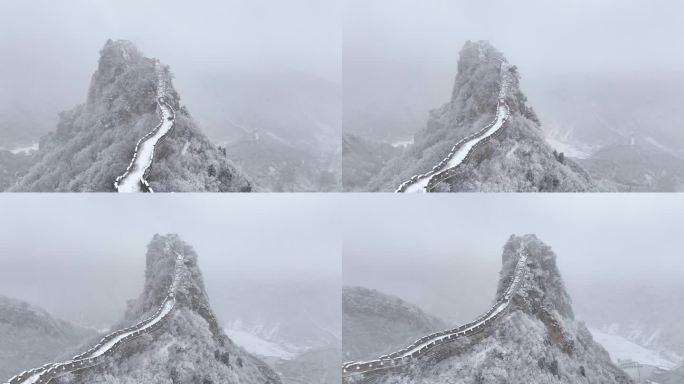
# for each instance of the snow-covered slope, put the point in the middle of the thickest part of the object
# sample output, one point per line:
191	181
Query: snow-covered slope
94	143
623	349
168	334
258	345
363	158
509	155
536	339
374	323
640	166
30	337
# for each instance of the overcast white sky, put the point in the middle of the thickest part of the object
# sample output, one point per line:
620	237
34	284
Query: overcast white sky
444	251
403	54
50	48
81	256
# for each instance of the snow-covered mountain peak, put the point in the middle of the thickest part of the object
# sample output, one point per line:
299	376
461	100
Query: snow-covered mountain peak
528	336
168	334
543	289
479	81
93	144
162	254
116	53
484	139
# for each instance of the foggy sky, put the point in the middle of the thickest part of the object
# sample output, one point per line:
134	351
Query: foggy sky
444	253
50	49
81	256
401	55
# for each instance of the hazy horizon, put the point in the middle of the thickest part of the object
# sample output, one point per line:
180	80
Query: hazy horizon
218	51
81	257
444	254
400	59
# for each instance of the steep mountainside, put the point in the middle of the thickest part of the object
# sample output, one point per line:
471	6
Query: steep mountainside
534	339
640	166
319	366
374	323
169	334
281	127
13	166
95	141
362	159
515	158
275	165
30	337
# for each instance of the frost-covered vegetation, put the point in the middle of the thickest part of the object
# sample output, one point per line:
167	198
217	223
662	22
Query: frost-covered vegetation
276	165
190	347
13	166
517	159
94	142
317	366
374	323
30	337
537	341
362	159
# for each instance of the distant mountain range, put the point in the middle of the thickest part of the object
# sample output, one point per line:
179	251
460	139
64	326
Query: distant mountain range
375	323
31	337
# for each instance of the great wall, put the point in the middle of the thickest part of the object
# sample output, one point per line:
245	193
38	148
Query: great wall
351	371
463	149
134	179
111	342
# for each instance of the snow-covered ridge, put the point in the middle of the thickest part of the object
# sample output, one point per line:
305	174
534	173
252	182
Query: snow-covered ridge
462	150
109	343
426	343
133	180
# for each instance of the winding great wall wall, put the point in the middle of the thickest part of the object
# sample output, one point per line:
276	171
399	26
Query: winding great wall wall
426	344
106	347
463	149
134	179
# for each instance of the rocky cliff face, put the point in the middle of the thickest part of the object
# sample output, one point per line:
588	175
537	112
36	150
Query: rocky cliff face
190	347
536	341
516	159
95	141
30	337
374	323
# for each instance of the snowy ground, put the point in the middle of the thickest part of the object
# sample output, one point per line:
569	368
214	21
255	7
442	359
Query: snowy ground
568	149
623	349
25	150
257	345
402	143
